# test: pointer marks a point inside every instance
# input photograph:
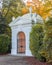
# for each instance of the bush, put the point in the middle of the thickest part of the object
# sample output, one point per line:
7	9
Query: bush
46	49
36	40
4	43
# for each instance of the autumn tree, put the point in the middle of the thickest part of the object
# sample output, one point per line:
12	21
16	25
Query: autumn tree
41	7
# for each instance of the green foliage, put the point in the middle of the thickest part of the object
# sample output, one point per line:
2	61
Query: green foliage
36	40
4	43
4	28
46	49
12	8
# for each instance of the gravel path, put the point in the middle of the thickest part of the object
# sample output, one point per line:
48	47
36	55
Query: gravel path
13	60
16	60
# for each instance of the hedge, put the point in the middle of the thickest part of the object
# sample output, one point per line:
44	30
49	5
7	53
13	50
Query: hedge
36	40
4	43
46	49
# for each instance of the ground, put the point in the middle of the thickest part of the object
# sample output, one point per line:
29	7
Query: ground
15	60
12	60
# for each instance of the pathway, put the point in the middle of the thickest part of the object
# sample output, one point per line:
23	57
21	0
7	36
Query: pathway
13	60
19	60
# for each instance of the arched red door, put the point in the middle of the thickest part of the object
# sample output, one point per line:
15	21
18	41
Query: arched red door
21	43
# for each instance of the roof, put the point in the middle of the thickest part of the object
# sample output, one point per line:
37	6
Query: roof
25	19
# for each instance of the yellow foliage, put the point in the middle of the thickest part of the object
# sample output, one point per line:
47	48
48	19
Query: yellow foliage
39	8
46	15
24	10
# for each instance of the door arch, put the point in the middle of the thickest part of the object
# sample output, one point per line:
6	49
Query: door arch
21	42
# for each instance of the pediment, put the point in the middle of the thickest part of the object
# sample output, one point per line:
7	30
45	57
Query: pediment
25	19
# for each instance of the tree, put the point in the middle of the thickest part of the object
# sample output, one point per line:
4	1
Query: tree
11	8
43	9
40	7
4	28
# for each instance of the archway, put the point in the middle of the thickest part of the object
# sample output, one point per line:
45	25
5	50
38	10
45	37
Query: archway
21	42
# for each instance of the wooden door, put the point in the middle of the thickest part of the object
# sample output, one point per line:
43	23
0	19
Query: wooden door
21	42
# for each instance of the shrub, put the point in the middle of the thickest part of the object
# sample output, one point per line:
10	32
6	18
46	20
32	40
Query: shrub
4	43
46	49
36	40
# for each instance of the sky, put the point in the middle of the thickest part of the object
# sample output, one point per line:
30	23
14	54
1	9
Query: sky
26	1
1	4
